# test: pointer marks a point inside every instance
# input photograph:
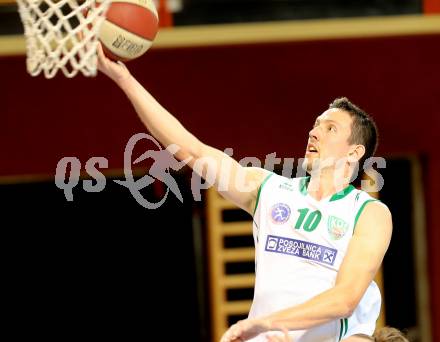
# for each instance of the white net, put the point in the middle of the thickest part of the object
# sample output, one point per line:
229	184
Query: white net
62	35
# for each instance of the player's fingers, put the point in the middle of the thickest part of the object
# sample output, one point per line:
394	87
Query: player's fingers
101	57
100	51
277	339
236	332
284	338
225	337
122	65
231	335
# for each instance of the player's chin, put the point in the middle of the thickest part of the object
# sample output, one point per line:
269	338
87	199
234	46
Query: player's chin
309	162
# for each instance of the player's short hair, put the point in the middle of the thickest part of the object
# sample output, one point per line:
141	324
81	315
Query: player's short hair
388	334
363	129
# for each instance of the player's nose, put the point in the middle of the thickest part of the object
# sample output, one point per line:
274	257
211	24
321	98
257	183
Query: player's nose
314	134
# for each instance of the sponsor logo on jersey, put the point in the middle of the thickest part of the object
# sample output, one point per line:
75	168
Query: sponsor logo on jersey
301	249
280	213
337	227
286	186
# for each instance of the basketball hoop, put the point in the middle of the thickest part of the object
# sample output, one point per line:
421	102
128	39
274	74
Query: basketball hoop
62	35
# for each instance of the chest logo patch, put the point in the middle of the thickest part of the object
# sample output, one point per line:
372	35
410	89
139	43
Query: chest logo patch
301	249
280	213
337	227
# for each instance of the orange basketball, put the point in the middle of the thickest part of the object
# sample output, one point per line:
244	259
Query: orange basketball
129	29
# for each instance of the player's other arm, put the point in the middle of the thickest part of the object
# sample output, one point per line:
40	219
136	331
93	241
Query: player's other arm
364	257
236	183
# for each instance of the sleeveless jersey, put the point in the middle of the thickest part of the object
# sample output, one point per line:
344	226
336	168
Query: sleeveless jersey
300	244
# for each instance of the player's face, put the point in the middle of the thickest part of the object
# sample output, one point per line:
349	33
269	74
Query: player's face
328	140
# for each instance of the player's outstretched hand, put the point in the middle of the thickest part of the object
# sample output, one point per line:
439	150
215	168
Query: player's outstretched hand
117	71
245	330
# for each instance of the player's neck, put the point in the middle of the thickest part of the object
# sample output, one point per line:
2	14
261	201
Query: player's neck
325	184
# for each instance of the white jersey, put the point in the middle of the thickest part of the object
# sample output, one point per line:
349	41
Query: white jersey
300	244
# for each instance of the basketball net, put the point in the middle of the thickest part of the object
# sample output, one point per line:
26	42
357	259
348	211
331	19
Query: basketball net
62	35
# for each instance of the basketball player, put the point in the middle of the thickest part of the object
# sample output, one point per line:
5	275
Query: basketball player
319	241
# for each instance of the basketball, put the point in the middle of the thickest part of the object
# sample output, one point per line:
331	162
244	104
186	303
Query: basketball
129	29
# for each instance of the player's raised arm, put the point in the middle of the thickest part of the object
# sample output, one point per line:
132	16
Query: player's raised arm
236	183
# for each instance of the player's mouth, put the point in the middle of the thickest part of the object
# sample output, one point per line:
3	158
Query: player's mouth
312	149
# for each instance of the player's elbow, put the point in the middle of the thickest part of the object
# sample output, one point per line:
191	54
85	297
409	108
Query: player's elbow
344	308
347	303
350	305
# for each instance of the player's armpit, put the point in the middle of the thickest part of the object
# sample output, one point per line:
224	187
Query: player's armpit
365	252
234	182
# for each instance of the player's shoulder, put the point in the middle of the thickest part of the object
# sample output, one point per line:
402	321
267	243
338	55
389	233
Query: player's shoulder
370	205
375	218
378	208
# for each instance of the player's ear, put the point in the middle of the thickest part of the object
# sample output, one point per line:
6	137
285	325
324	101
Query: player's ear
356	153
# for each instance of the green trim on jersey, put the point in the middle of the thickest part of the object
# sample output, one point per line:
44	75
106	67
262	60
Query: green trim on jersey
343	328
259	191
304	183
360	211
341	194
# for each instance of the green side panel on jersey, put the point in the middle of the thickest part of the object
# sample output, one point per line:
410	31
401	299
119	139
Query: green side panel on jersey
341	194
361	209
259	192
346	325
